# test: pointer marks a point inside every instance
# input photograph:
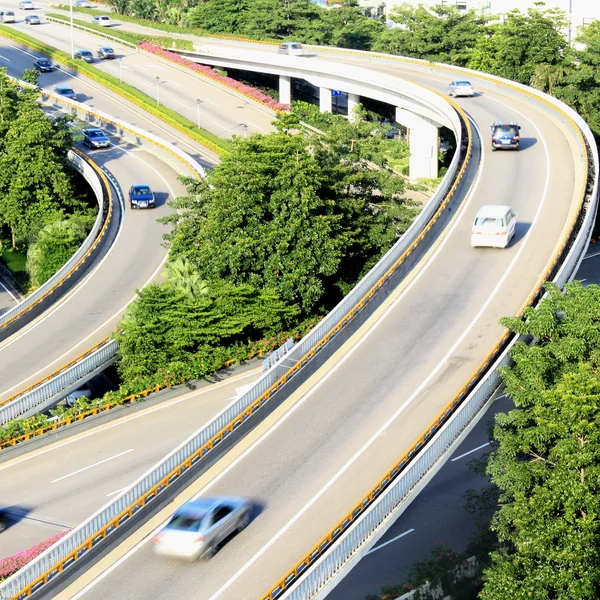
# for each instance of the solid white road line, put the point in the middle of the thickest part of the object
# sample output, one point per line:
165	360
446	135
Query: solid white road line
125	420
389	542
592	255
117	492
470	451
9	292
101	462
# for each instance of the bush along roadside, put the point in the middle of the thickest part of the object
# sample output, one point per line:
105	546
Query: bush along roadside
246	90
11	564
128	36
199	367
169	116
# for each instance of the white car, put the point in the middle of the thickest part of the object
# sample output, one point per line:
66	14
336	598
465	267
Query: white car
460	88
102	20
8	17
26	5
82	4
494	226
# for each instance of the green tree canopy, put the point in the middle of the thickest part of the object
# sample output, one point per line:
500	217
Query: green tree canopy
304	215
546	460
438	33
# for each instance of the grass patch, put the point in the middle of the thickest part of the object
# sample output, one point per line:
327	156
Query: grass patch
168	115
126	36
15	260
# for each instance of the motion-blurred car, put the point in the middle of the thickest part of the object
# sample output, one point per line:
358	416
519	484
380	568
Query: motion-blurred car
85	55
26	5
82	4
102	20
95	138
8	17
106	52
494	226
141	196
505	136
291	48
199	527
32	20
460	88
43	65
66	91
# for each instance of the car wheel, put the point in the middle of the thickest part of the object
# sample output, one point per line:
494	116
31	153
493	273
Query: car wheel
494	148
243	522
131	204
211	551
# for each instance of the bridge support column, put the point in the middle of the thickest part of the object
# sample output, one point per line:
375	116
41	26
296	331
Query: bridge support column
285	89
325	99
353	101
423	141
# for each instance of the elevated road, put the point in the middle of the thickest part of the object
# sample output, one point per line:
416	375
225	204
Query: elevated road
92	310
311	461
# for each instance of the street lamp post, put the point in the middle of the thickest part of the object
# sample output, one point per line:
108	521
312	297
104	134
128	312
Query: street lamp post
245	129
72	31
198	103
157	90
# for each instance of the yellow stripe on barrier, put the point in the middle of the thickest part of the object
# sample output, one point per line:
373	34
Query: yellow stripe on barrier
325	542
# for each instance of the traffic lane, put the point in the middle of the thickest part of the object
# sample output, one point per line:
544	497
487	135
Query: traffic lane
221	110
8	297
589	270
92	310
285	481
59	486
16	60
437	515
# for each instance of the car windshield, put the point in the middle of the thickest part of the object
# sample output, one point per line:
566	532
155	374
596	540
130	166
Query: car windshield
109	50
185	523
488	222
44	61
85	53
507	130
463	83
141	191
65	90
95	133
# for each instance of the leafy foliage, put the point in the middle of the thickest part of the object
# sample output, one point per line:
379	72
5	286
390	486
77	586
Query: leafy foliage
546	461
304	215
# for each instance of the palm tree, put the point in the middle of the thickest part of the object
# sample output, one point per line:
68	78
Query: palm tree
183	276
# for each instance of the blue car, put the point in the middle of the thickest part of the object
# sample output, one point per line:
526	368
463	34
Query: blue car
141	196
66	91
95	138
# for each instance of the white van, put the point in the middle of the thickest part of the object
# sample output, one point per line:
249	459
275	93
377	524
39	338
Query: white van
72	398
291	48
494	226
9	17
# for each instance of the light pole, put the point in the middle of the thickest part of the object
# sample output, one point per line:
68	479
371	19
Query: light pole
198	103
245	129
72	33
157	90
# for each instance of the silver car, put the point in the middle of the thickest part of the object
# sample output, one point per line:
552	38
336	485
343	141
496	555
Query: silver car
199	527
460	88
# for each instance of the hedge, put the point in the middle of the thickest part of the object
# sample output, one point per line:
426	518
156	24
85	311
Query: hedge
165	27
127	36
169	116
198	367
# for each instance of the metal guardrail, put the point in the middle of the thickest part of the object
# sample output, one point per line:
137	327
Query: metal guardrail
97	527
99	229
64	381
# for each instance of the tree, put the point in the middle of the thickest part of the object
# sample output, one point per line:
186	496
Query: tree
516	47
219	16
438	33
182	276
54	246
303	215
31	76
164	324
546	459
35	178
350	28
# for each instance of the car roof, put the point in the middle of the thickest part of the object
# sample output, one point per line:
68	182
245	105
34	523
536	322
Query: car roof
105	48
93	129
463	81
63	87
140	185
494	211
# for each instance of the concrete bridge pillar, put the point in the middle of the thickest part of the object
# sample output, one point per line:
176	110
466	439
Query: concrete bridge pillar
423	141
325	99
353	101
285	89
